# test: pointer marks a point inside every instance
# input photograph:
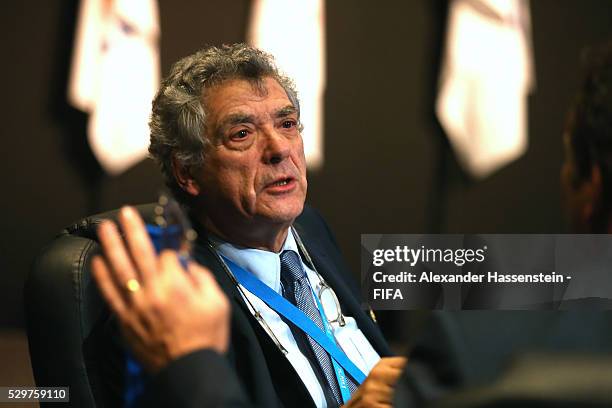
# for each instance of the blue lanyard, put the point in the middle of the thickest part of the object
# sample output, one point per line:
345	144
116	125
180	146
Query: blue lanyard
326	339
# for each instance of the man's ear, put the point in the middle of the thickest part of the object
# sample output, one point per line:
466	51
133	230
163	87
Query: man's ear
184	178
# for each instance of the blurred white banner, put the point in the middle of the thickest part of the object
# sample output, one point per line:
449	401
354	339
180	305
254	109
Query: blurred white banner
486	76
114	76
294	32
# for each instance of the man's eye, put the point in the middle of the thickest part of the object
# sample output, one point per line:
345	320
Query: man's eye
288	124
241	134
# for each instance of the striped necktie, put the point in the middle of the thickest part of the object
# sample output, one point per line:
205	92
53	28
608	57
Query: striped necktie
297	290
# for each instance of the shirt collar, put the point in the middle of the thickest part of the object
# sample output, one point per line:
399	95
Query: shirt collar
265	265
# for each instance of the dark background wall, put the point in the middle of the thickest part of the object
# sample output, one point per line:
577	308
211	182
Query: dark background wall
387	166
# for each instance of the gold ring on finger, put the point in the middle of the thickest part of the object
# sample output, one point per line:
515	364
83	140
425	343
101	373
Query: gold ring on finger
132	285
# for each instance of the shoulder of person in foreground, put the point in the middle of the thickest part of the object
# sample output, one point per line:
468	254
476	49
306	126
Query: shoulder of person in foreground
200	379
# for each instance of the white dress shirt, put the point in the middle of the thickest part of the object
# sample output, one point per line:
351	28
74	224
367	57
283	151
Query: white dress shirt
265	265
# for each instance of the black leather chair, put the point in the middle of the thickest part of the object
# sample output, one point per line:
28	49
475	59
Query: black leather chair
66	318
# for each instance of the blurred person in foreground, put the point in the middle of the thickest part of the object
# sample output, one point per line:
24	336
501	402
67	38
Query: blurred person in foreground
225	129
535	358
586	176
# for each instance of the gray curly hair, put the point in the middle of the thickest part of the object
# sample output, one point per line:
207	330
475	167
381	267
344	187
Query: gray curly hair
178	118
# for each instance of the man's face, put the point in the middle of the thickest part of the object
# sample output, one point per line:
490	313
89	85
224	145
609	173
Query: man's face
254	168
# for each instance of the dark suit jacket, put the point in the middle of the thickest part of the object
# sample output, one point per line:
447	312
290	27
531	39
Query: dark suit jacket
255	372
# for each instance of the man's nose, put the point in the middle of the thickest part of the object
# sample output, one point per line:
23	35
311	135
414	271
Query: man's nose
277	146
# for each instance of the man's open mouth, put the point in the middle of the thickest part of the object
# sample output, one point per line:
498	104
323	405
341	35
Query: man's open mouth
281	182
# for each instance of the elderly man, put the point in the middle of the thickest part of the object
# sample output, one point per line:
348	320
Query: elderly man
226	132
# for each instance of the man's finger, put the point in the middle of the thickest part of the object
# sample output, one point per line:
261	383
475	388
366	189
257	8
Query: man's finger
389	375
387	371
170	264
117	258
108	286
397	362
385	394
139	243
200	275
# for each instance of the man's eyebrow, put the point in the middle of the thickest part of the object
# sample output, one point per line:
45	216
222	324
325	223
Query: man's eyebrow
237	118
286	111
